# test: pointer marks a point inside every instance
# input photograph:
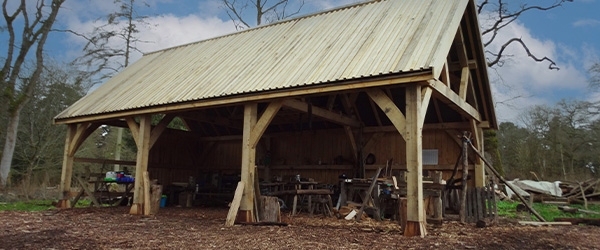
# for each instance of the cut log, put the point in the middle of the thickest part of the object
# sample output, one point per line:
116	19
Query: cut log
156	195
268	209
147	206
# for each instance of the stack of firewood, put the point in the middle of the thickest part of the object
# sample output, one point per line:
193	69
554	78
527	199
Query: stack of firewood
581	192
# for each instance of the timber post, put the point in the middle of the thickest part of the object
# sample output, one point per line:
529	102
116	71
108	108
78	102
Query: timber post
67	169
415	223
465	173
76	135
141	135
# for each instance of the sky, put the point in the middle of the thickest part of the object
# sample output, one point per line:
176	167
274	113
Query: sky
569	35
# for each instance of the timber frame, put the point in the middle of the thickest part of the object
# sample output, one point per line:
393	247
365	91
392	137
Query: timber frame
451	99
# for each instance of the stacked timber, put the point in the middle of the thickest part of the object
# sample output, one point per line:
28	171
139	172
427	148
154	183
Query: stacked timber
581	192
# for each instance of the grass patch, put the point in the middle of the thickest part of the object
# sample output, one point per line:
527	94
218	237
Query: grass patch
547	211
30	206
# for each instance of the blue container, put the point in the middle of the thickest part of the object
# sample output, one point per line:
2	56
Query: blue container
163	201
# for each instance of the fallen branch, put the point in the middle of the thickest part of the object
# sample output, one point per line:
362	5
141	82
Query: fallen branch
574	210
575	221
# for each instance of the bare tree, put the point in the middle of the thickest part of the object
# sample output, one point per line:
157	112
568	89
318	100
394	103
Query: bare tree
263	10
39	143
503	14
110	45
19	78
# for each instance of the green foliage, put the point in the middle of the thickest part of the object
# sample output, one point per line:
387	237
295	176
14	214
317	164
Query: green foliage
491	147
549	212
30	206
555	143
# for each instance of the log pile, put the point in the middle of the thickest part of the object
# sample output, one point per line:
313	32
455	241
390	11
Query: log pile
581	192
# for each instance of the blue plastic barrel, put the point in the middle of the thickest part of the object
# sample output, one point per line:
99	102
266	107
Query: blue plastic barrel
163	201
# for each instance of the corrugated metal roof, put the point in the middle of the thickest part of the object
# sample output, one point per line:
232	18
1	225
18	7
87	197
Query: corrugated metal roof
360	41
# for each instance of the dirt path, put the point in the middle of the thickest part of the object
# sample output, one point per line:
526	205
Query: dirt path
202	228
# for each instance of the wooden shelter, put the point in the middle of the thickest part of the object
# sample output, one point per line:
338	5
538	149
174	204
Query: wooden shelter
311	96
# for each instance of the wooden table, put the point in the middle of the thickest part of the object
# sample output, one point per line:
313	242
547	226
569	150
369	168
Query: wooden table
303	185
101	193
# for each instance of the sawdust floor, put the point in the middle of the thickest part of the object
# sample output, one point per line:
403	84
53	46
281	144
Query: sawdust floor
202	228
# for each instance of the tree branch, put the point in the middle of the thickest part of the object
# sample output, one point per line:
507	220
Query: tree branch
499	54
502	16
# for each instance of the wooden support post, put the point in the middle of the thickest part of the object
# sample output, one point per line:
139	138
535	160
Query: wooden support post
465	173
248	161
143	150
479	165
67	168
76	135
413	136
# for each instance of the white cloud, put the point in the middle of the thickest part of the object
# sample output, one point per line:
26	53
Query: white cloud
586	22
521	82
163	32
329	4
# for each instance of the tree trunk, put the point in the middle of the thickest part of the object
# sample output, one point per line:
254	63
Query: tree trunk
9	146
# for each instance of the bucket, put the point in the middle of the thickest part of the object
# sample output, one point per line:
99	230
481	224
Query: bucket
163	200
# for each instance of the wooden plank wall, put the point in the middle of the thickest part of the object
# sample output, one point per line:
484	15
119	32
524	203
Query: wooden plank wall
175	158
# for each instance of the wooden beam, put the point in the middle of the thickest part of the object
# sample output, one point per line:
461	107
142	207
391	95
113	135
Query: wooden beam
104	161
143	150
67	168
285	93
413	136
83	132
464	83
264	121
479	167
134	128
375	113
445	77
350	134
449	97
331	101
248	160
389	108
322	113
456	66
461	51
425	98
372	142
160	128
438	112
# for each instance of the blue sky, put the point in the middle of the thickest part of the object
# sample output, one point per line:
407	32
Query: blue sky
570	35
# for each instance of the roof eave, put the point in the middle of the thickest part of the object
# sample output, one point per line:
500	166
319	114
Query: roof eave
326	87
